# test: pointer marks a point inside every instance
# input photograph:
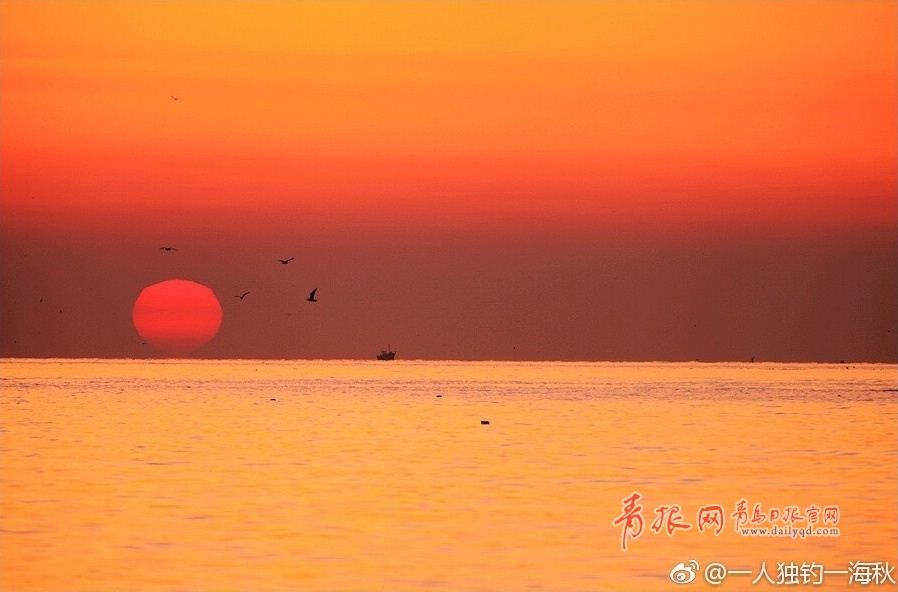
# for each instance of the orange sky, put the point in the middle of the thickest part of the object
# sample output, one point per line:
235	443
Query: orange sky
355	121
498	107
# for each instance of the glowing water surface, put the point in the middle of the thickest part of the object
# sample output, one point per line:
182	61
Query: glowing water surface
186	475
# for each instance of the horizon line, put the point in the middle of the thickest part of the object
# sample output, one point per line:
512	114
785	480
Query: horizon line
459	360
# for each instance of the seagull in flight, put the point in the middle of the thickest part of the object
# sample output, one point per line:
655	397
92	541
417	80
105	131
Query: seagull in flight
242	296
286	261
174	98
311	297
167	249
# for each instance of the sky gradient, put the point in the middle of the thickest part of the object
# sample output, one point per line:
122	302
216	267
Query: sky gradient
480	180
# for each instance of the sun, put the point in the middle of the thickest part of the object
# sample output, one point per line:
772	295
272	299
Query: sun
177	316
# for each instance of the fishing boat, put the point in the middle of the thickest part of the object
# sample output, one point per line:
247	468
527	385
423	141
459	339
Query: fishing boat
387	354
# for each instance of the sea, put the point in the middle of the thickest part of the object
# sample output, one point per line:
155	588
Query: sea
356	476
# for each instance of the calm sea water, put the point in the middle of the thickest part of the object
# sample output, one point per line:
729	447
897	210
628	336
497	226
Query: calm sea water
357	476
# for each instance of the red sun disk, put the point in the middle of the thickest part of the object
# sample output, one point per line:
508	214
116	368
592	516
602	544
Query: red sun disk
177	316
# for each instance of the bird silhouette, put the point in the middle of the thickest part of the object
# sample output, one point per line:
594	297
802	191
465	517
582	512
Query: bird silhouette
311	297
286	261
167	249
174	98
242	296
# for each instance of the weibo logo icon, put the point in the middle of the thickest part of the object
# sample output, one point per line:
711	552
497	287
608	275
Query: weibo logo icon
684	573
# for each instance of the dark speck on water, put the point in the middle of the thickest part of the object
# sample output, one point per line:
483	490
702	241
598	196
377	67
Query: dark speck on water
484	422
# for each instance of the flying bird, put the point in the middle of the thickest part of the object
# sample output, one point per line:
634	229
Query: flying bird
286	261
311	297
242	296
174	98
167	249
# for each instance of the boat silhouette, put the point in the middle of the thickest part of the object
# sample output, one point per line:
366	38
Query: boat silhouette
387	354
